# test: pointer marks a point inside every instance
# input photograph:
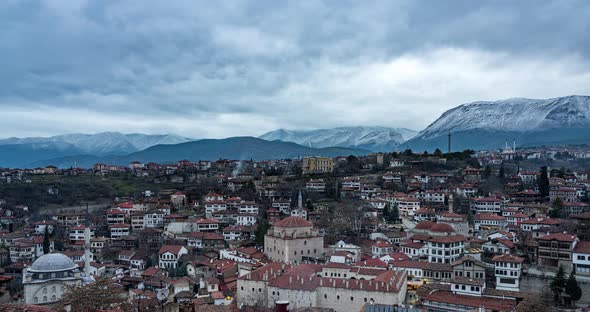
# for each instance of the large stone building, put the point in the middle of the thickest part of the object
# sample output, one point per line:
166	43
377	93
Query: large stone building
45	280
336	286
317	165
292	240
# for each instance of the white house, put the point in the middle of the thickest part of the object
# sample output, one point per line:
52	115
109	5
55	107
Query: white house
508	271
169	255
581	258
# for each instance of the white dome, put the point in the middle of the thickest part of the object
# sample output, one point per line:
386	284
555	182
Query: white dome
55	262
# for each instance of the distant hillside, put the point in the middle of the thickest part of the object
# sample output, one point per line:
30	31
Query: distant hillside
238	148
378	139
19	155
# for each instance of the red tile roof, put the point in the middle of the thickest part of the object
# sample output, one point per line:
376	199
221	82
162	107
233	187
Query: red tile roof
373	262
508	258
448	297
293	222
448	239
207	221
582	247
442	227
562	237
424	225
382	244
488	216
206	235
127	205
175	249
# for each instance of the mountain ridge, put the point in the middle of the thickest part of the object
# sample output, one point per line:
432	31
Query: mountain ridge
102	143
487	124
374	138
236	148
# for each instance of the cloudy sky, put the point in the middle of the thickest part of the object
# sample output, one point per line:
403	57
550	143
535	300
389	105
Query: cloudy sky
225	68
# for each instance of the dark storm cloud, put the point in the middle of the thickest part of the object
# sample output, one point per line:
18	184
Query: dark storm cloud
213	69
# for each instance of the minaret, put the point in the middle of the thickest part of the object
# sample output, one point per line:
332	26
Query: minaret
451	203
299	200
87	243
514	146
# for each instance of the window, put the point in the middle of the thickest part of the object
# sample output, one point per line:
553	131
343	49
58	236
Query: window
325	296
351	298
338	297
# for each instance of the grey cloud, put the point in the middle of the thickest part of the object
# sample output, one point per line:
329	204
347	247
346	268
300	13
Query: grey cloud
221	68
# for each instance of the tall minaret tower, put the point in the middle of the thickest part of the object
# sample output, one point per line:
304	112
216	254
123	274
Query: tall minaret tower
514	146
300	200
451	203
87	243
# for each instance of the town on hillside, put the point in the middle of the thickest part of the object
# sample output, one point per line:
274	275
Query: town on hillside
500	230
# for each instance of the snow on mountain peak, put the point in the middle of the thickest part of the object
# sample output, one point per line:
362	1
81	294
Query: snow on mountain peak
103	143
516	114
372	138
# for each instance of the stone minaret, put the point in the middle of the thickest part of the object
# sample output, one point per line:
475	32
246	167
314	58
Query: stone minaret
87	250
300	200
451	202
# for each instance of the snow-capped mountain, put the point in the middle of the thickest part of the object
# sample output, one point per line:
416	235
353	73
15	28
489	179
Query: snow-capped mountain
370	138
105	143
485	125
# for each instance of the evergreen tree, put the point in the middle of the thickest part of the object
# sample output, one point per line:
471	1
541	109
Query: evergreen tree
309	205
470	217
408	152
501	173
438	152
386	212
261	229
543	182
487	172
558	284
394	213
572	288
556	207
46	242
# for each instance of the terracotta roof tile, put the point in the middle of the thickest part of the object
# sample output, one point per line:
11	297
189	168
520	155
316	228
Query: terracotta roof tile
293	222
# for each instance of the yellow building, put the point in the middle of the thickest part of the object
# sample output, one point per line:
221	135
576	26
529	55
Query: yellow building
315	164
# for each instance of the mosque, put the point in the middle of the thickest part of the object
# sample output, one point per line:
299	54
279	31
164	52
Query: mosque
45	280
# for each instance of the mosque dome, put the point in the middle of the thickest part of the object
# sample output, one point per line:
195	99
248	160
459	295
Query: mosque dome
54	262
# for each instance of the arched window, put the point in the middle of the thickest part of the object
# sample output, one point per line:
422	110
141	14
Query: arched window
53	298
53	289
35	300
44	298
44	290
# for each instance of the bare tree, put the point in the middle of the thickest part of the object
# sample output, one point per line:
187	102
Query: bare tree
99	295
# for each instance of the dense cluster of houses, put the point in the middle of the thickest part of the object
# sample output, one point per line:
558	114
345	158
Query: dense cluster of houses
427	239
